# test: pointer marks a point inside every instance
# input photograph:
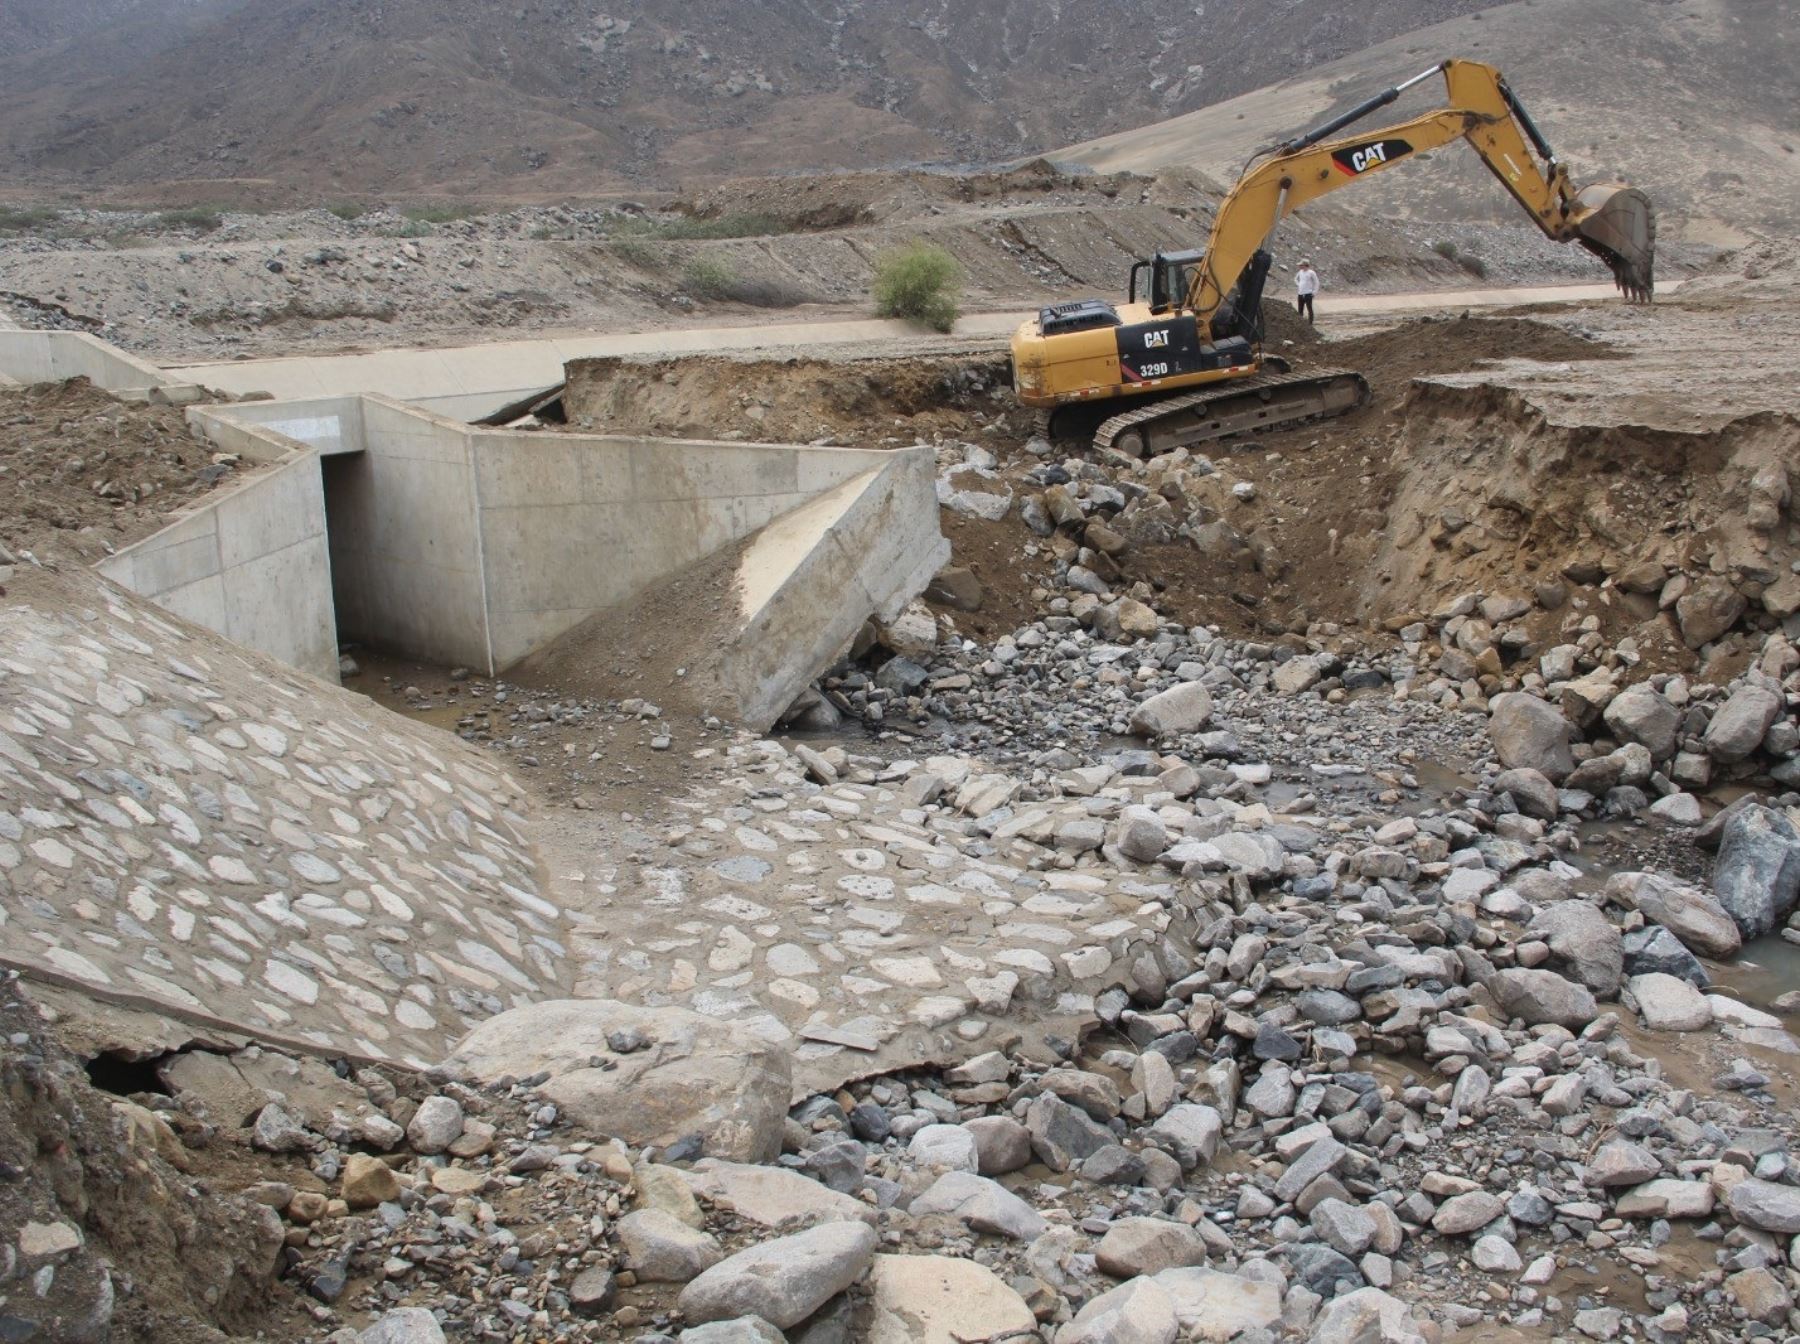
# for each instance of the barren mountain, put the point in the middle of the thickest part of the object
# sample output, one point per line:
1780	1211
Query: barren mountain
1694	100
547	98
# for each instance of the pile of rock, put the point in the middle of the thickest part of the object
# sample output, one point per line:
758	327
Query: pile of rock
1618	744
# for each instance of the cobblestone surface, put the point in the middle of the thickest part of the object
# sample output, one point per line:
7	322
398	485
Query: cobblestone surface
898	916
196	825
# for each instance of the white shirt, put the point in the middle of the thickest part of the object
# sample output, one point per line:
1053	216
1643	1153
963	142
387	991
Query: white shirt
1306	281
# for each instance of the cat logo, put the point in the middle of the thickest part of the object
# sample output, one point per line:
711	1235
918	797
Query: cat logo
1354	160
1156	340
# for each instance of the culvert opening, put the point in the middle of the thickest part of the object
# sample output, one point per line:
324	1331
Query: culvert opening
350	520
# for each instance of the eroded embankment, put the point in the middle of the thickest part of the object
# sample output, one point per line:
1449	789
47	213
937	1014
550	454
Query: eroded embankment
1680	531
1433	491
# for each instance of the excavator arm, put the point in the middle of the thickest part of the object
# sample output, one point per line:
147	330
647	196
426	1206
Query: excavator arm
1612	221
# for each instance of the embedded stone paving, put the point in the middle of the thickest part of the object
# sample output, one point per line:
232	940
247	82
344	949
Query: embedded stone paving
194	824
909	911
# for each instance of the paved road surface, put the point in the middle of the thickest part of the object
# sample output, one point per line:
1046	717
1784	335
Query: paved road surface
471	381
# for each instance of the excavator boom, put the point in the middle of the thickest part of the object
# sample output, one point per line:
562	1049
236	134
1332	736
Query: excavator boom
1611	220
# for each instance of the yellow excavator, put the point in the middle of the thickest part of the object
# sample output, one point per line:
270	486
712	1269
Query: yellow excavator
1197	323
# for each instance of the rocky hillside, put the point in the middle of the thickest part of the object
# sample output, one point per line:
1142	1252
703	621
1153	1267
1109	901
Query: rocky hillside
1717	151
549	97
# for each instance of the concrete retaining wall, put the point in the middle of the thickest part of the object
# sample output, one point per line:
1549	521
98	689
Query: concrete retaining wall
251	564
406	540
52	356
434	540
254	429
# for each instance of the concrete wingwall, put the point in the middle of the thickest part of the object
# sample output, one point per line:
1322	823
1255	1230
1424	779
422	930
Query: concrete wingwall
251	563
52	356
812	577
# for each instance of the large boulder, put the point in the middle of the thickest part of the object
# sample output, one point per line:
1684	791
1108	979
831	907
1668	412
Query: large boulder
1642	715
1669	1004
1707	610
785	1280
1542	998
940	1299
1139	1311
984	1205
403	1325
1585	942
1530	734
770	1196
1757	874
1654	948
1741	723
1766	1205
1134	1246
1368	1316
1184	708
697	1076
660	1248
1531	792
1692	915
1214	1306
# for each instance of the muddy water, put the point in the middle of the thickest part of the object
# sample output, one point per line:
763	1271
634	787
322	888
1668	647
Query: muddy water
1765	970
385	679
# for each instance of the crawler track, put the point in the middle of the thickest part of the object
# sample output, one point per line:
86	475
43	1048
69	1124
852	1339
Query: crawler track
1267	401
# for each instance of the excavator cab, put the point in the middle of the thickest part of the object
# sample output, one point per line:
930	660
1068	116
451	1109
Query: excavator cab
1170	275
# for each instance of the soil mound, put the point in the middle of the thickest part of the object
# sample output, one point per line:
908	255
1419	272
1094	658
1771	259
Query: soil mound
662	646
74	460
861	402
1428	346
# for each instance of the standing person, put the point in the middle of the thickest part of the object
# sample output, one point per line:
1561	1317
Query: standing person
1306	284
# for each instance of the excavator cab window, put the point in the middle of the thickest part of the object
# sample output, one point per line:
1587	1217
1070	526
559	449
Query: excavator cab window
1169	277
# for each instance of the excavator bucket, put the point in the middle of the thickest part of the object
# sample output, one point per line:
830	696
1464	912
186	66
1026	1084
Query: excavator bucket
1618	225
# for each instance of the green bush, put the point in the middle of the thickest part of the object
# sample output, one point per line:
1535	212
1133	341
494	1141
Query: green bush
197	217
1445	250
692	228
413	228
1475	266
638	252
918	282
439	214
17	219
347	210
708	278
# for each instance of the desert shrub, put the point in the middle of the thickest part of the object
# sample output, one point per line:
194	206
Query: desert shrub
439	214
918	282
348	210
693	228
17	219
1446	250
724	226
200	218
1474	265
770	294
413	228
638	252
708	278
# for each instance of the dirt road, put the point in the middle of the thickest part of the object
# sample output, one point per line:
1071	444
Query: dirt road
475	380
